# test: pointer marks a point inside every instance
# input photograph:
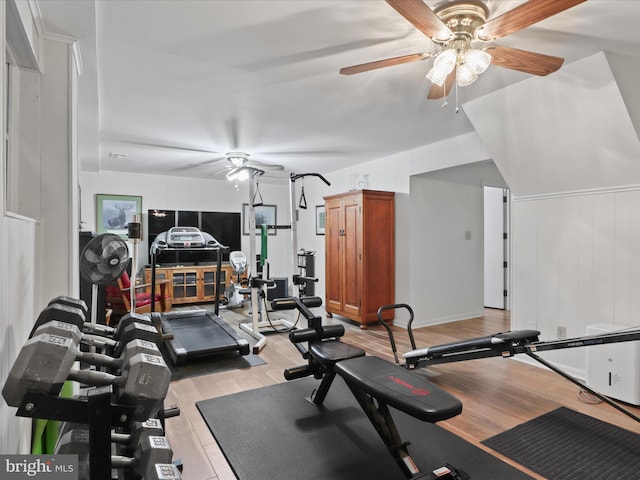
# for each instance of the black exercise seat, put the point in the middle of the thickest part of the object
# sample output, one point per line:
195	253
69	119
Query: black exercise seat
324	355
399	388
333	351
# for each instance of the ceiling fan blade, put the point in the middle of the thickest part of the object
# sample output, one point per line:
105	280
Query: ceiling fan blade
169	147
264	166
220	171
233	132
389	62
439	92
524	61
423	18
207	163
522	16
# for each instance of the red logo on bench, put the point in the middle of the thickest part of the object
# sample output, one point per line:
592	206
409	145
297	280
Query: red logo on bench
416	391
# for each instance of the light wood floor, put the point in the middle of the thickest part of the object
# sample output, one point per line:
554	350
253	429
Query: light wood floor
497	394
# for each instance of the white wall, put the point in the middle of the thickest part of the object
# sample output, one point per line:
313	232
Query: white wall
576	263
447	242
394	173
568	147
175	193
38	257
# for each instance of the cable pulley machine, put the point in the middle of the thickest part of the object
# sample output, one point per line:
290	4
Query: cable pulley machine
258	285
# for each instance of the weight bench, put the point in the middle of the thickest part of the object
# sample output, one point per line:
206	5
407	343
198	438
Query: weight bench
377	385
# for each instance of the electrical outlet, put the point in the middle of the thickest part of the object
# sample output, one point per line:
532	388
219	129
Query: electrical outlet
561	332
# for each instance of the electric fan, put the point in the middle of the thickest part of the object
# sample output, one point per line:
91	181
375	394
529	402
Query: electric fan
102	261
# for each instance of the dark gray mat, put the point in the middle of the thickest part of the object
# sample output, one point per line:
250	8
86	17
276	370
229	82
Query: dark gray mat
564	444
273	433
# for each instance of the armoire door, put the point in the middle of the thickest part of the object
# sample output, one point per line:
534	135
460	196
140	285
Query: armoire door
333	256
352	257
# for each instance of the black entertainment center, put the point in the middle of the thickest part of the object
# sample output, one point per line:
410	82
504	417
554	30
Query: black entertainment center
226	227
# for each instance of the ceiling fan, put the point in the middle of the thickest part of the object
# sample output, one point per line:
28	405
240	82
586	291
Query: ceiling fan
237	161
463	33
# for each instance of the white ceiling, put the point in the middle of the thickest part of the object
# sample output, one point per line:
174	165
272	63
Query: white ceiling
173	83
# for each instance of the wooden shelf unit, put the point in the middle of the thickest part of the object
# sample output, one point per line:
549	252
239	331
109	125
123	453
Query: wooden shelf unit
360	254
192	284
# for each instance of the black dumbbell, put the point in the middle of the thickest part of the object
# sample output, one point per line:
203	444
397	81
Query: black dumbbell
125	332
138	432
152	450
70	314
45	362
127	350
71	302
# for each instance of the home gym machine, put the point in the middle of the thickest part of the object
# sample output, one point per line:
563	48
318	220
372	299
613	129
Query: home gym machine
505	345
196	333
301	281
259	285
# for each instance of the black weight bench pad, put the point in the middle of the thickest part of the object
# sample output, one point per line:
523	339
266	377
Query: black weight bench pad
399	388
494	342
332	351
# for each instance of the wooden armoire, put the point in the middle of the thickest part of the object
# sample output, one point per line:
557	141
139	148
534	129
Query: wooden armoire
360	254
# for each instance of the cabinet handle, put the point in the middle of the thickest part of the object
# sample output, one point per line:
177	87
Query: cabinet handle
342	234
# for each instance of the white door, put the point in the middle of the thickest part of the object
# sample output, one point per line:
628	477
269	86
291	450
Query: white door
495	242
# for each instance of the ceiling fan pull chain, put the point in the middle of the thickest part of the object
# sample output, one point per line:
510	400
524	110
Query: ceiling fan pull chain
257	192
303	200
456	82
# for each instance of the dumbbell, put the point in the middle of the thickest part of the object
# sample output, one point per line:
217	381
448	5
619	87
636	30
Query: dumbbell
45	363
139	431
149	452
127	351
154	318
71	302
129	331
76	316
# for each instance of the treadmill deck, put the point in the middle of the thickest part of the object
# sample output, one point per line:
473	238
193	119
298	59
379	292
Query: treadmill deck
198	334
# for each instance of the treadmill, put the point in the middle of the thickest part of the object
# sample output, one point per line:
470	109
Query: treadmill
196	334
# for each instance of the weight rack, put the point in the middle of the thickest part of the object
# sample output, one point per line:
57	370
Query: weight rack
96	411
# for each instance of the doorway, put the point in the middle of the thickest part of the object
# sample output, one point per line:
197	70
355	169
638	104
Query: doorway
496	247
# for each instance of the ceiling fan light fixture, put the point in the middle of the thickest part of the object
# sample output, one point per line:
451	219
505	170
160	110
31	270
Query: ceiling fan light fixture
237	159
238	174
443	65
477	60
465	76
446	61
436	77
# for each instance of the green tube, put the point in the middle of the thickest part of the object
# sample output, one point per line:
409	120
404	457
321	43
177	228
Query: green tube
263	244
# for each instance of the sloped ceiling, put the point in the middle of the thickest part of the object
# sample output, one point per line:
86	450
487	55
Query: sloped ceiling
176	82
567	133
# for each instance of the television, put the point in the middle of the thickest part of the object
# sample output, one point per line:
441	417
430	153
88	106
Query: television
223	226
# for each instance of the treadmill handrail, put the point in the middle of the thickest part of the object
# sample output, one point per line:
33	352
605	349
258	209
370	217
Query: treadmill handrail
217	248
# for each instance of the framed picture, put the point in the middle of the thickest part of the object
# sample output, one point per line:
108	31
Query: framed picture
320	219
265	215
114	212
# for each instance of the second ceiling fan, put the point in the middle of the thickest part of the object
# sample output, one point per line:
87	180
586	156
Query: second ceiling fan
238	161
459	28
